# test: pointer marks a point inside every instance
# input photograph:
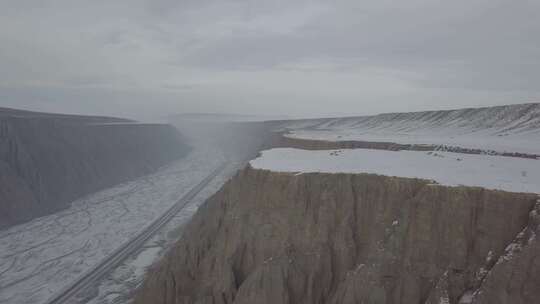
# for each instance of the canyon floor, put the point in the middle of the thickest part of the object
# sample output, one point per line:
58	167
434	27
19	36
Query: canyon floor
40	257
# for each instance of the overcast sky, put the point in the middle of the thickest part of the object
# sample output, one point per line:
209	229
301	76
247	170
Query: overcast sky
140	58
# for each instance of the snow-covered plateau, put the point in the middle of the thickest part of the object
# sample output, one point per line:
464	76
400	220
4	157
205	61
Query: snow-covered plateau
445	168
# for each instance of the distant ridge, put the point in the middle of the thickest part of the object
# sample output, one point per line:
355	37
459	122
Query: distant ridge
496	119
221	117
10	112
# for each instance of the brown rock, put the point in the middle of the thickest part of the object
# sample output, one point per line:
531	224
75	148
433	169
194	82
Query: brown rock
515	278
269	237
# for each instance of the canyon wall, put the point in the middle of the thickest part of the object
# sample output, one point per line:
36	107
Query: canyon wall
48	160
274	238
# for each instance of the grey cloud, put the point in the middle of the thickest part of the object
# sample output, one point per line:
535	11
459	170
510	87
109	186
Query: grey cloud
309	57
178	86
491	47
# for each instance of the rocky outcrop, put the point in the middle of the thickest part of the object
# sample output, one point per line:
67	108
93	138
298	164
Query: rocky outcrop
270	237
48	160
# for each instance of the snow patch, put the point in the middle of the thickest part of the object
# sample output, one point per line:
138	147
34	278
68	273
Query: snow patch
146	258
492	172
467	298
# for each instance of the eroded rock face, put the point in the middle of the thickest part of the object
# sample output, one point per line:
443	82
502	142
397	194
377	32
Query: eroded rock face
269	237
515	278
47	160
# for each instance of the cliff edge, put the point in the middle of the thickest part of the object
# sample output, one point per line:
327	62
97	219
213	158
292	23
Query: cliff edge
269	237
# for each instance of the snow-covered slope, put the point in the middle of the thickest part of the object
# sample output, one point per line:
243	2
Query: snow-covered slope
513	128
